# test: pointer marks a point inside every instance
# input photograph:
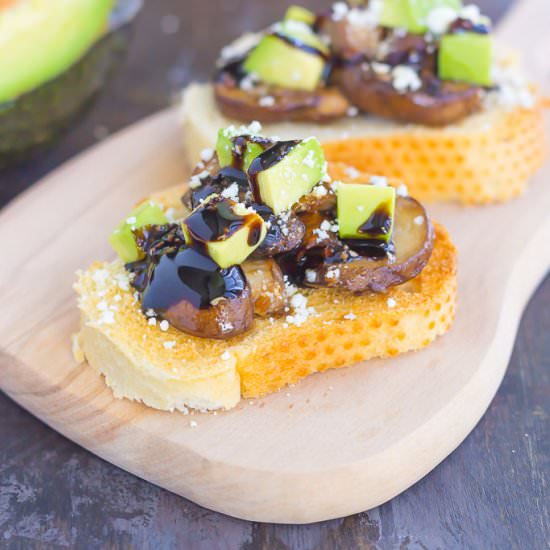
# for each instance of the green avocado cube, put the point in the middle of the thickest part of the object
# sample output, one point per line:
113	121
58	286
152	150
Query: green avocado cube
122	239
466	57
300	168
229	231
412	14
224	148
279	60
365	211
298	13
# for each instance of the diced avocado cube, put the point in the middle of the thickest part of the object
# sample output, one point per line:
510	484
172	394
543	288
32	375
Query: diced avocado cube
365	211
287	171
412	14
229	231
466	57
298	13
224	148
279	60
122	238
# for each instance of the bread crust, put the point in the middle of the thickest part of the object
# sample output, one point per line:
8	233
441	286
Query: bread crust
168	369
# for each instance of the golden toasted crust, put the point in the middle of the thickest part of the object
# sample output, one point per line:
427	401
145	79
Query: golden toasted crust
488	157
169	369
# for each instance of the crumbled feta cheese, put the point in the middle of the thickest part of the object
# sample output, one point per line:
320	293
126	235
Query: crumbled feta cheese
405	79
379	181
391	302
169	345
352	172
102	306
267	101
254	127
352	111
380	68
231	192
440	18
333	273
350	316
402	191
300	311
152	321
207	154
100	277
419	220
131	220
164	325
311	276
107	318
319	191
226	356
339	11
193	424
321	233
360	208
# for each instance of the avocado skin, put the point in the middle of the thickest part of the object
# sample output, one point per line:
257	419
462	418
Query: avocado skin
37	118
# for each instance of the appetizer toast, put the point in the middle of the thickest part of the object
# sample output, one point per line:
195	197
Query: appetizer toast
146	359
406	89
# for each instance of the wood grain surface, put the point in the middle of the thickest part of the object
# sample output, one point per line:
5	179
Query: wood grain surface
490	493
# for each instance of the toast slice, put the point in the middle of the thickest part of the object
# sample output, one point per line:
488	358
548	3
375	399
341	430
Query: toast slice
488	157
168	369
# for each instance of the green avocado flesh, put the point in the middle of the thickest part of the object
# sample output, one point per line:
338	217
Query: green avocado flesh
281	63
226	248
282	184
224	148
41	39
122	238
466	57
412	14
298	13
365	211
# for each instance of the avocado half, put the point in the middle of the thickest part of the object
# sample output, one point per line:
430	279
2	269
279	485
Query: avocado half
41	113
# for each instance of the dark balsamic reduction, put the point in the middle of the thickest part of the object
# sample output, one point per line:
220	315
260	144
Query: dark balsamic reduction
378	223
239	147
371	248
216	220
298	44
266	160
193	277
461	25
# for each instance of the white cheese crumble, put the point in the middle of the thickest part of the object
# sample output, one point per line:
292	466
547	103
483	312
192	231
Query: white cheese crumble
267	101
152	321
380	68
319	191
378	181
311	276
193	424
207	154
301	311
164	325
226	356
339	11
196	180
352	172
419	220
440	18
405	79
391	302
352	111
402	191
231	192
169	345
350	316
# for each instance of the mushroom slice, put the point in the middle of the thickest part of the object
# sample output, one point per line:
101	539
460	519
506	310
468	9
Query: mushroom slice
437	103
285	232
267	286
413	239
274	104
196	296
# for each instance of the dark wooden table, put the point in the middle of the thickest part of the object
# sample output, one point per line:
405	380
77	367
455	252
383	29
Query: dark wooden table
493	492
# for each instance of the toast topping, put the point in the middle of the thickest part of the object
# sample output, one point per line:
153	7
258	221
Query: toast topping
266	221
428	62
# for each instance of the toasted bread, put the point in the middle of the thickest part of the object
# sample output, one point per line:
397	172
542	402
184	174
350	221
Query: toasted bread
488	157
168	369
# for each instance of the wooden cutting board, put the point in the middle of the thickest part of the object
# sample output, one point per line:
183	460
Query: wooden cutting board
338	443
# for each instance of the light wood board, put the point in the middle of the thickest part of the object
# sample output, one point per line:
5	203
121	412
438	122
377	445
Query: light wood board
338	443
